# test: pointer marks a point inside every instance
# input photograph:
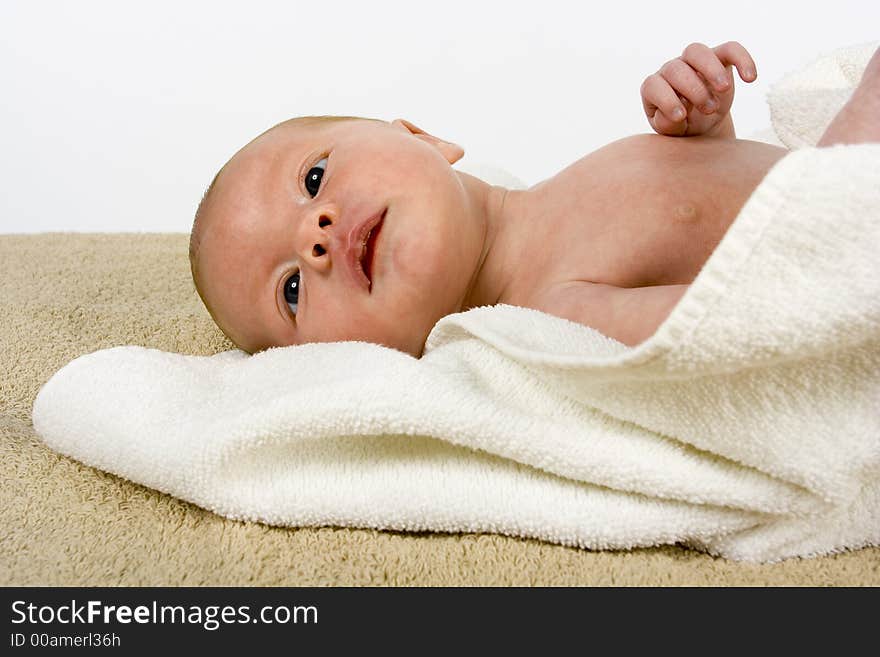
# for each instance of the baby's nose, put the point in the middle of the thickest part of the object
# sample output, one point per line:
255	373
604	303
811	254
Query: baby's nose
315	241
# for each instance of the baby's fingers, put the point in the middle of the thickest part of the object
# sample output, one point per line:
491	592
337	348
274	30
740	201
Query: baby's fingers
662	106
712	63
733	53
686	82
702	58
665	126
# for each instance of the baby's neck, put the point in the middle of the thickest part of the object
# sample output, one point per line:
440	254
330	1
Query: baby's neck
501	212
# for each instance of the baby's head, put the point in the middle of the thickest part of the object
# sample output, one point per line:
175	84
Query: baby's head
278	249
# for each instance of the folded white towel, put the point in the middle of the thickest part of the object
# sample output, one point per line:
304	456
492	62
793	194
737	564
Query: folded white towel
748	425
803	103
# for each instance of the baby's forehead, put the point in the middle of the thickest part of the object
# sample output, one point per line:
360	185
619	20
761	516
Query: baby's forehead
271	148
290	133
249	180
248	183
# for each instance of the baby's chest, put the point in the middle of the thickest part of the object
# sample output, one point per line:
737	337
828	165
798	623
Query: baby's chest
654	220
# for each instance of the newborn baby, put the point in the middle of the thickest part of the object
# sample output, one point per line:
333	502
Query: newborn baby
342	228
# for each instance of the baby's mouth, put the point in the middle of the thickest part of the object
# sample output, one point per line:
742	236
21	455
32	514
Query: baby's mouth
368	249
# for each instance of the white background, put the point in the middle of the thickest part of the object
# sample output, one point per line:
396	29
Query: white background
116	115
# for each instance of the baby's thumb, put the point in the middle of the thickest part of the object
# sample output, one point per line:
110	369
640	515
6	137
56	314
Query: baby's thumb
666	126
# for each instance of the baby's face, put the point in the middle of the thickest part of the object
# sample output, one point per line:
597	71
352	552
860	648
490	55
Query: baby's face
282	241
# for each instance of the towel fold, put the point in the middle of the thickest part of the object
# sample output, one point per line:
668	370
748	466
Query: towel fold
747	426
803	103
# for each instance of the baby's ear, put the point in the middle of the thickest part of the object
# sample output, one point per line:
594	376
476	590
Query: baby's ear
452	152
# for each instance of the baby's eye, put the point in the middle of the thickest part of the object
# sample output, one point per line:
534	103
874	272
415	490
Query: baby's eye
313	177
291	291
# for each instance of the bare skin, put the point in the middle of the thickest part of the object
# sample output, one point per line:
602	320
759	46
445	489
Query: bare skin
643	214
858	121
658	207
612	241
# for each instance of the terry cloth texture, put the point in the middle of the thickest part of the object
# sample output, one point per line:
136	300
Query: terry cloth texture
803	103
64	523
64	295
746	426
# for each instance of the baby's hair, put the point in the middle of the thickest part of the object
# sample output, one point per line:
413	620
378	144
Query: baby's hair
195	234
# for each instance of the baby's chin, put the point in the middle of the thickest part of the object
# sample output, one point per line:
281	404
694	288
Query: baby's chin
413	345
405	333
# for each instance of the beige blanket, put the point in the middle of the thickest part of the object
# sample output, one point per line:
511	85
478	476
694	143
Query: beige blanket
62	523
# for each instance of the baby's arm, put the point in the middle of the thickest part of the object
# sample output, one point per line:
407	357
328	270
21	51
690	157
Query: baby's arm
692	94
859	120
628	314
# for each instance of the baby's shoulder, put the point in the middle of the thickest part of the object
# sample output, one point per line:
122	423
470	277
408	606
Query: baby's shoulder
641	144
618	159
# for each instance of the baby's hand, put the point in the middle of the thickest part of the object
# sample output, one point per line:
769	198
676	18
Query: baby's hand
692	94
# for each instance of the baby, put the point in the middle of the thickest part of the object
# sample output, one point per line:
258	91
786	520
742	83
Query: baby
343	228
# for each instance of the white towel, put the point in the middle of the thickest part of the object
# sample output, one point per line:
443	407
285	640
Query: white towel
747	426
803	103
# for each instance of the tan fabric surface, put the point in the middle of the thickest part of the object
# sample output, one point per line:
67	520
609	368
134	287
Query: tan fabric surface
66	294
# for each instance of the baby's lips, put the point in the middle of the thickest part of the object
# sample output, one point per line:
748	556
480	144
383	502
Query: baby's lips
369	257
356	247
